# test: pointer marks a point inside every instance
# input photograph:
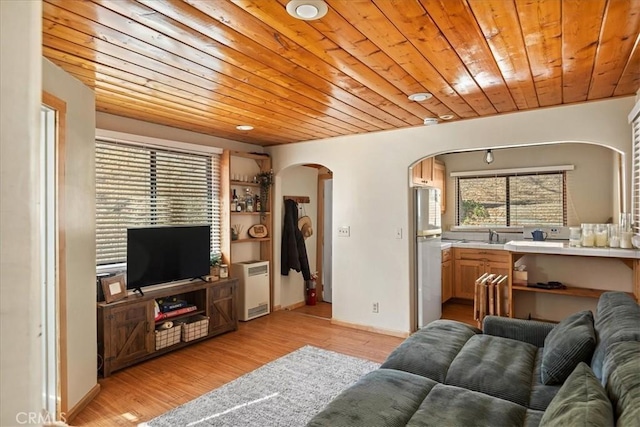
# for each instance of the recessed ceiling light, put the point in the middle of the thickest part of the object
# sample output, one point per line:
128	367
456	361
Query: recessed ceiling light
447	116
307	10
244	127
430	121
420	96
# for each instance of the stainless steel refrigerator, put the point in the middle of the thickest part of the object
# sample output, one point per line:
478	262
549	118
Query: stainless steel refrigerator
428	254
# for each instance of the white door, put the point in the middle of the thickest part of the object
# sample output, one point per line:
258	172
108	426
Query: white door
327	243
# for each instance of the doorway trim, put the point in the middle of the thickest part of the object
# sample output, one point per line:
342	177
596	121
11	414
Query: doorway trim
60	108
323	174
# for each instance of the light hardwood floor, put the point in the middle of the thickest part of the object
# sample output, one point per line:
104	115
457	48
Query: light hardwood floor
144	391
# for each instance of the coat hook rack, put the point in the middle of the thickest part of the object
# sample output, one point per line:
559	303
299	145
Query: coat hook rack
298	199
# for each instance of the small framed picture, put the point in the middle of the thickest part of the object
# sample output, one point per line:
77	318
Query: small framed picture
114	288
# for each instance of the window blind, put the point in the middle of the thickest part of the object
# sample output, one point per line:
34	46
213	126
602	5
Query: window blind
140	186
635	124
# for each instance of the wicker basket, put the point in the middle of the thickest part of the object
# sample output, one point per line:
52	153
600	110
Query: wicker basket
195	327
167	337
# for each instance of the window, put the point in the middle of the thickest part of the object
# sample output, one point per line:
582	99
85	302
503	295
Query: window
144	186
512	199
635	204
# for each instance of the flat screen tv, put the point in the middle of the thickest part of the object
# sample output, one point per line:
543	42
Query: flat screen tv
166	254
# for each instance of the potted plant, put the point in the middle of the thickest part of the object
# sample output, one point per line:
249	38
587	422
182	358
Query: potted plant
265	179
214	266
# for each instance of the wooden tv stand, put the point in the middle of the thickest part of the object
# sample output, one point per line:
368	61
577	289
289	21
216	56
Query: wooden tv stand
126	328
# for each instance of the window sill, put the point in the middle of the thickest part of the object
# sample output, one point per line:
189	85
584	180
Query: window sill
111	268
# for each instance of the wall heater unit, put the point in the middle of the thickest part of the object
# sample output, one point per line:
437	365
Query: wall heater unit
253	289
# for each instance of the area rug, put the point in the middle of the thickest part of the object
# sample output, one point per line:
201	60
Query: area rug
286	392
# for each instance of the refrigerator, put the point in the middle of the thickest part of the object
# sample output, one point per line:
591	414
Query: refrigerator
427	217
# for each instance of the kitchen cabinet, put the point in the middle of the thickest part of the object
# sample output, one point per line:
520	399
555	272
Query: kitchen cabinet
431	172
472	263
439	181
423	172
447	275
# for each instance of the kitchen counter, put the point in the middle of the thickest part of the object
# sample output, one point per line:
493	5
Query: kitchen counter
546	247
563	248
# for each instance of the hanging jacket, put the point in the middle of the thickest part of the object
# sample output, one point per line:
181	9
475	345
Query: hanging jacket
294	251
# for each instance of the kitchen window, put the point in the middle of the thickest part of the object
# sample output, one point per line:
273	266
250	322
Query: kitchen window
512	199
138	185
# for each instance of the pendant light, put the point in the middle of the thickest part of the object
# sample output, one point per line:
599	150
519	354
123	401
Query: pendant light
488	157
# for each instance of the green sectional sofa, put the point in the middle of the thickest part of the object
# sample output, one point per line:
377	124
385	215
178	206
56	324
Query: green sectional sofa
581	371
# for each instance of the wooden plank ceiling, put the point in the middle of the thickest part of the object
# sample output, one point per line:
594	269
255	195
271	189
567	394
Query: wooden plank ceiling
208	66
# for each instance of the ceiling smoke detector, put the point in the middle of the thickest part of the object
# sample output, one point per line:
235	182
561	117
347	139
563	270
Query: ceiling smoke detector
307	10
244	127
420	96
428	121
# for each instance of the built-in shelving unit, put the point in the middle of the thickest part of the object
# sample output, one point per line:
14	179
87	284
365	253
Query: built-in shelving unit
245	248
572	291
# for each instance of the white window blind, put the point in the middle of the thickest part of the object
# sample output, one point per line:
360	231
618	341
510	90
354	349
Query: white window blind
635	124
142	186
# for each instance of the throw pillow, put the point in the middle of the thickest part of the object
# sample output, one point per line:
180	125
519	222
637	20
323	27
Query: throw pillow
570	342
581	401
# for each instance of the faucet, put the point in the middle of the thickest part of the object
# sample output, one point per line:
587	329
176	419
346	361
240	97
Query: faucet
492	235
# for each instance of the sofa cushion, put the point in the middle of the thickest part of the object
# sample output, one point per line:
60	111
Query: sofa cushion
581	401
384	397
453	406
499	367
541	394
570	342
621	376
617	319
429	351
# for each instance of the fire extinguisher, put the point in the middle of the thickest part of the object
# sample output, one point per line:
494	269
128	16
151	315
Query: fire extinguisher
311	292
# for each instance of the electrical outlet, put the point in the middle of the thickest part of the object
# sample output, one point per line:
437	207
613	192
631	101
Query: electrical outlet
399	233
344	231
554	230
376	307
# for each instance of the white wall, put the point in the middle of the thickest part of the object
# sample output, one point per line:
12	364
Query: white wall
20	299
138	127
593	175
371	192
79	225
294	181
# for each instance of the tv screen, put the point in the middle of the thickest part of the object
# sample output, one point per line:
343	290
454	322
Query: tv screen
166	254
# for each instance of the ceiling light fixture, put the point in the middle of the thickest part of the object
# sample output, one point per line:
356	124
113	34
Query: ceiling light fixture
488	157
420	96
428	121
307	10
244	127
447	116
